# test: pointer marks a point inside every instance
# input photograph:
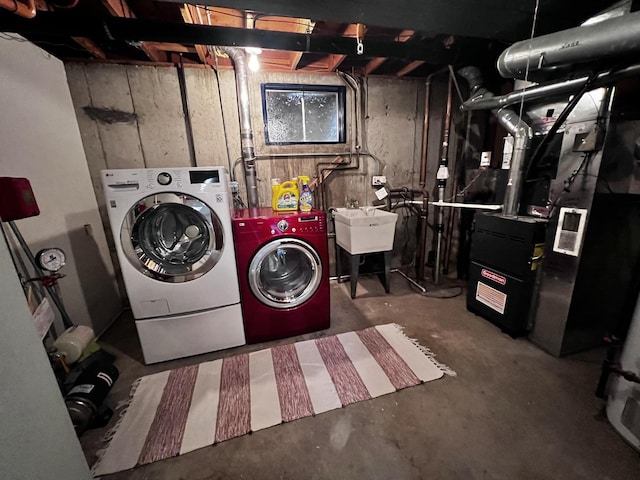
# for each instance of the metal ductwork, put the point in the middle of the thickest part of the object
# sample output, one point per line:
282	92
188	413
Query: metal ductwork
615	37
482	102
246	131
522	133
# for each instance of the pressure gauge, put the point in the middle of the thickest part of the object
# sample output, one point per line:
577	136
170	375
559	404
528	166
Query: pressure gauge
51	259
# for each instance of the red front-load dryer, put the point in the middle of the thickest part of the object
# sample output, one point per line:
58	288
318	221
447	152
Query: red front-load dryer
283	270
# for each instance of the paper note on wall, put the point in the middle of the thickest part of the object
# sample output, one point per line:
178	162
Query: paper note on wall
507	152
43	317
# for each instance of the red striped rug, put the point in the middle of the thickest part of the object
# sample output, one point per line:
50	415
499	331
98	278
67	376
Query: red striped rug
177	411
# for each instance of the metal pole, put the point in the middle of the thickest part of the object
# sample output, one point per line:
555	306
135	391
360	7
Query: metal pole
66	320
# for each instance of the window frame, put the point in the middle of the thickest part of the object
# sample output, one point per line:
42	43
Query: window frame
341	90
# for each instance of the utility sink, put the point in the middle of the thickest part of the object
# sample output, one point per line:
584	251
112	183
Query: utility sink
365	229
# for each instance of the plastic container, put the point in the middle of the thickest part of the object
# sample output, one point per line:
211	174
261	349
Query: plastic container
284	196
365	229
306	197
73	342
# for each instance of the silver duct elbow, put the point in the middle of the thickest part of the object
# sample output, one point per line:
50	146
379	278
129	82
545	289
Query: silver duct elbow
239	58
522	133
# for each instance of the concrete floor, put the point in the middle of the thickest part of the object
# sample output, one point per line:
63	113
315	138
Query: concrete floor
512	411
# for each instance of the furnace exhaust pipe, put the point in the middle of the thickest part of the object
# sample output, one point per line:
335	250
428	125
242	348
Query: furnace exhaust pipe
239	58
522	133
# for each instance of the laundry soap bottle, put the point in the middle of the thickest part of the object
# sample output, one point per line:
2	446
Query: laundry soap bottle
306	197
284	195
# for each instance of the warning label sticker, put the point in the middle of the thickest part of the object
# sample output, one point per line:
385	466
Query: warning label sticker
491	297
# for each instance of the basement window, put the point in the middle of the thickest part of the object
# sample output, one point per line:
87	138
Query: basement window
295	114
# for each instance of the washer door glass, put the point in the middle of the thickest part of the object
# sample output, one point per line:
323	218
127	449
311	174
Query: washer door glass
172	237
285	273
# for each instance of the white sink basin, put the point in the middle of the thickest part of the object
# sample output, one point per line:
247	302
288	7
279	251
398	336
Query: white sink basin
365	229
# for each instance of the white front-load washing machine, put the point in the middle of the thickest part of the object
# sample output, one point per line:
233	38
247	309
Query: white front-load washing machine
173	237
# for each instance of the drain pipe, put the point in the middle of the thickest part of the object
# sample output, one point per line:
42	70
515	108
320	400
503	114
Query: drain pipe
522	133
246	132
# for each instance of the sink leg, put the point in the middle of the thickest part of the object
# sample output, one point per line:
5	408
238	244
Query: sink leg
387	271
353	274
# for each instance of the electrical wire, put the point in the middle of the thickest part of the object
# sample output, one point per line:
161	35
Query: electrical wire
568	182
466	189
526	72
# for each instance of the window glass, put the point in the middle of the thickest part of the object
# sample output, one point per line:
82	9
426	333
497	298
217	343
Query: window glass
303	113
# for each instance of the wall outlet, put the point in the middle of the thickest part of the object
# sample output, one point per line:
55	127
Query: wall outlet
378	180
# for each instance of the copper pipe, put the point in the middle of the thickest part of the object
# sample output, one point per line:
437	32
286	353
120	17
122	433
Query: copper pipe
442	182
425	134
425	128
26	10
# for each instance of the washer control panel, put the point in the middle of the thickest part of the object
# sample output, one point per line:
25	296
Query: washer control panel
311	224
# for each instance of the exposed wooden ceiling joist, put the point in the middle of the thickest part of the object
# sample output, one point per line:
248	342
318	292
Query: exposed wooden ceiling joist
201	50
409	68
502	20
403	36
120	8
138	30
90	46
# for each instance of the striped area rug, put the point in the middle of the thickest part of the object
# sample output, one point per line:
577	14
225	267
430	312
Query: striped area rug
178	411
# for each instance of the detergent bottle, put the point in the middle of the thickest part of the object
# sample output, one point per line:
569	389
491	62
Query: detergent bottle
284	195
306	197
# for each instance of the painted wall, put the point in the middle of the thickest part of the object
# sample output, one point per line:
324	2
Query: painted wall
132	116
37	440
41	141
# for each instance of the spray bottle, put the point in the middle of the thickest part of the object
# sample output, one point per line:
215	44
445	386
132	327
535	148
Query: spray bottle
306	197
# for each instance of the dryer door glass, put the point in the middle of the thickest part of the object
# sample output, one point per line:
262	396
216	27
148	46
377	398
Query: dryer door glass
172	237
285	273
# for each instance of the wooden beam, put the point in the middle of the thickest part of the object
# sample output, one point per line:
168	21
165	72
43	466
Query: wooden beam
432	51
171	47
409	68
201	50
373	65
296	56
90	46
403	36
120	8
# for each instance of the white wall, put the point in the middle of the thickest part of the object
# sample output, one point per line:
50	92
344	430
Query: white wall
37	441
41	141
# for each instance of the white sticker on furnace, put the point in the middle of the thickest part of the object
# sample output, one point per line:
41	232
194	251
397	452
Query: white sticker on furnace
491	297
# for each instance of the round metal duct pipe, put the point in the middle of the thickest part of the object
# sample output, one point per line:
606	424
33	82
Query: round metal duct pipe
611	38
239	58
